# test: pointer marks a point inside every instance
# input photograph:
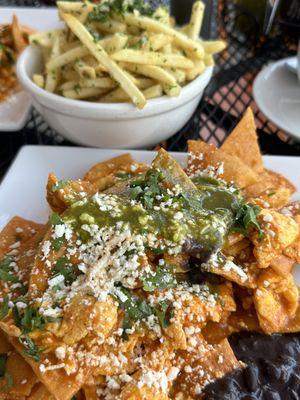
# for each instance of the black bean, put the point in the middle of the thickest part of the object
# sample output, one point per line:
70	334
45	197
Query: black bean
273	371
292	394
271	395
251	378
294	382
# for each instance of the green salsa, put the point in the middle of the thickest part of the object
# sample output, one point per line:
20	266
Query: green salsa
148	207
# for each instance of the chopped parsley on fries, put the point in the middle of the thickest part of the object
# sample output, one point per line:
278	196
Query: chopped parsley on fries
123	42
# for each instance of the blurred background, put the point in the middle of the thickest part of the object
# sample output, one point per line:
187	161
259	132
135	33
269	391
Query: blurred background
242	24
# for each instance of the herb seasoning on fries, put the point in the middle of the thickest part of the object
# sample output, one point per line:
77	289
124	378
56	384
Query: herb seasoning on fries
121	51
132	288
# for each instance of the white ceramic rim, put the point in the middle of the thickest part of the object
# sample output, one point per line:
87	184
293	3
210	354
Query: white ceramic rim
125	111
261	105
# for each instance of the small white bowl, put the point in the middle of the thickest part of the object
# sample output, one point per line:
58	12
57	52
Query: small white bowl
115	125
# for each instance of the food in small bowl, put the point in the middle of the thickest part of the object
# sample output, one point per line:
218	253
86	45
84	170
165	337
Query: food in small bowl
119	74
13	40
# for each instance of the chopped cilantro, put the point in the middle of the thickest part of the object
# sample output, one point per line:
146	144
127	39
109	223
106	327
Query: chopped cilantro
59	185
4	308
57	243
23	289
3	358
137	309
135	192
28	319
55	219
164	313
31	349
160	279
246	218
63	267
6	271
146	189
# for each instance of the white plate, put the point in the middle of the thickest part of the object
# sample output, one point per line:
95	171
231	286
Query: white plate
23	189
292	65
276	91
14	111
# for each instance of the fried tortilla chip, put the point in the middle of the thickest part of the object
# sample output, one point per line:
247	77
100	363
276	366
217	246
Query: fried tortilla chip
18	230
271	191
202	365
238	321
57	382
279	232
276	301
60	194
293	251
207	159
173	172
19	41
39	392
242	143
107	173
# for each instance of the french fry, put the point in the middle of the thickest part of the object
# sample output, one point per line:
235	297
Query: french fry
153	58
74	6
155	26
69	75
44	39
100	54
161	14
153	72
125	46
100	83
84	70
115	43
157	41
70	45
213	46
144	83
172	90
196	20
178	74
185	29
83	93
67	57
52	77
167	49
208	60
39	80
119	96
192	73
153	92
110	26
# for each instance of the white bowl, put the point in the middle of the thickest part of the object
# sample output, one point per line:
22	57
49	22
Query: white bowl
114	125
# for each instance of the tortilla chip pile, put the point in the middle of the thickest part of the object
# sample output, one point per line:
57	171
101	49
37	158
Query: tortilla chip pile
145	341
